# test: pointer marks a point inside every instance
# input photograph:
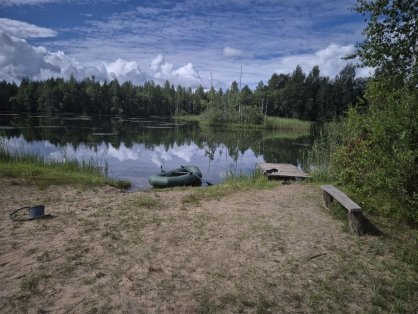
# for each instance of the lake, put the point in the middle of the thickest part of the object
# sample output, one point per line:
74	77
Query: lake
135	148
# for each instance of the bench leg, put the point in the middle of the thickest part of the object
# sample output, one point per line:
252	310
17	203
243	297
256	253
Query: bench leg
357	223
327	199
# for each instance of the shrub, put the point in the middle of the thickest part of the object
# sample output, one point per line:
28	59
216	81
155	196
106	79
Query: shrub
378	160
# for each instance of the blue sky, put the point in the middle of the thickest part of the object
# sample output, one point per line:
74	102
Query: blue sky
185	42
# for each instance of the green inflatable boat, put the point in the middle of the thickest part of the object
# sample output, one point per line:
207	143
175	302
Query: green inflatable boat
185	175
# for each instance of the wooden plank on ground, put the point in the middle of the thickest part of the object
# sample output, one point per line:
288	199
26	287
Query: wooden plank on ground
283	170
342	198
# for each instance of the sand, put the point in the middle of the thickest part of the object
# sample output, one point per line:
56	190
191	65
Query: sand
109	251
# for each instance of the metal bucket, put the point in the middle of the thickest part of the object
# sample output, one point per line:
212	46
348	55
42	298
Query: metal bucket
37	211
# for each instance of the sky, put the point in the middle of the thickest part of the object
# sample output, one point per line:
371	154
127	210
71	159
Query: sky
188	42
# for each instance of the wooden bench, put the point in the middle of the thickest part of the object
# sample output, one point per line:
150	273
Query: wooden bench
355	216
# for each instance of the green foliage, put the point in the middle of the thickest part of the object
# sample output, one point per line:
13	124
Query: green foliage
391	42
378	160
376	156
7	90
250	115
215	116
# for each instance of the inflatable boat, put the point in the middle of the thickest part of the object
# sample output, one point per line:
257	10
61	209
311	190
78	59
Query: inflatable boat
185	175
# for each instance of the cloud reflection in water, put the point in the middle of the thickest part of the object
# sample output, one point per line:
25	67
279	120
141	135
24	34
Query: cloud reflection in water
137	163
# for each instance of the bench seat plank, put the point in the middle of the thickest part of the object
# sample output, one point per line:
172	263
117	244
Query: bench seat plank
342	198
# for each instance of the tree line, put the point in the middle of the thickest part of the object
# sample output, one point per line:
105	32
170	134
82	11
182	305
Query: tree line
296	95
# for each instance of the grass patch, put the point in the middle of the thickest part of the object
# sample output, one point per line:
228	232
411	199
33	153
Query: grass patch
390	283
31	284
277	123
272	123
232	184
397	240
393	280
238	302
248	181
35	169
147	202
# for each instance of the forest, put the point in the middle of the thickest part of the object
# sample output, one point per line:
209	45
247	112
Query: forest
309	97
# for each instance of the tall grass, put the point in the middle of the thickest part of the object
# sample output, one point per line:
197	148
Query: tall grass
272	123
36	169
277	123
317	160
242	181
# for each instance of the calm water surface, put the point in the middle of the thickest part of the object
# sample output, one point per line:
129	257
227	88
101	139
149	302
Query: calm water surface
135	148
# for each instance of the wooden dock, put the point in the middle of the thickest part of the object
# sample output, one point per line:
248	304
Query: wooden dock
281	171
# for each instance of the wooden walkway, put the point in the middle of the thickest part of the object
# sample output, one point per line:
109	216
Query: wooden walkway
284	171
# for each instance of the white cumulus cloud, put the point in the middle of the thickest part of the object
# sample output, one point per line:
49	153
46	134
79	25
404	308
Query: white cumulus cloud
187	72
161	70
18	59
125	71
